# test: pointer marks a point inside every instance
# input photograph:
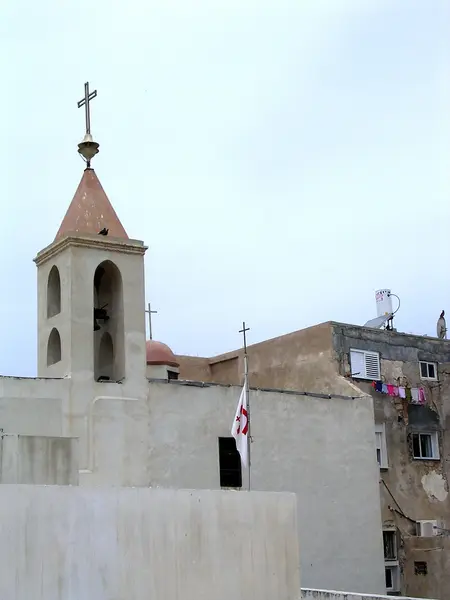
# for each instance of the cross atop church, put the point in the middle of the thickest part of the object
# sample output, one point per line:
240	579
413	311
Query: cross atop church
87	148
85	102
150	313
244	331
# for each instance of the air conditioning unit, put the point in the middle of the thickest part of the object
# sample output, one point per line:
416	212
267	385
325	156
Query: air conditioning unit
427	528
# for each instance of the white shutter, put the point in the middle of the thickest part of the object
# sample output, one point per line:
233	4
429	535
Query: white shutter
365	364
357	364
372	360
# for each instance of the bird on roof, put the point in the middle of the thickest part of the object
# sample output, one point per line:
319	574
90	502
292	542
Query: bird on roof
104	231
441	327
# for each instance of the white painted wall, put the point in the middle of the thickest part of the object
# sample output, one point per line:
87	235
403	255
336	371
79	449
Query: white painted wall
38	460
166	434
321	449
72	543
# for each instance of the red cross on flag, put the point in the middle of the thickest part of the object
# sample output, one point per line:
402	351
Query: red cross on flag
239	430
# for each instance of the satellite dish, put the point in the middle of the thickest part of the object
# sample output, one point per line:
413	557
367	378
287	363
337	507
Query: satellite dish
378	321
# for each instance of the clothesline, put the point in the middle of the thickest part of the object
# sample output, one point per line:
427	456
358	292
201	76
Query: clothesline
415	395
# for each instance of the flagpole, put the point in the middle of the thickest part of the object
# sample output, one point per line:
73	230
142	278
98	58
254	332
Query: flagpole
247	390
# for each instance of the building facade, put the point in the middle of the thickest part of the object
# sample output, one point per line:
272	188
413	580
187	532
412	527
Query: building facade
411	425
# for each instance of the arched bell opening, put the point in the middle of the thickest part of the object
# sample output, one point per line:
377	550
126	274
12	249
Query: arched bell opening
53	347
105	358
53	293
108	323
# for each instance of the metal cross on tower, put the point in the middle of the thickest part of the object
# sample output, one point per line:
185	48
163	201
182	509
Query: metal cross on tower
88	96
244	331
150	313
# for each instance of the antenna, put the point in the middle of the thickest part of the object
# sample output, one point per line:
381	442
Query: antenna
383	299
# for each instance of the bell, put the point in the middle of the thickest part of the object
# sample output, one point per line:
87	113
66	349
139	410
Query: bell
96	325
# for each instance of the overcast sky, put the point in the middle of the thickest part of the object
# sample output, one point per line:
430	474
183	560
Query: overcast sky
282	159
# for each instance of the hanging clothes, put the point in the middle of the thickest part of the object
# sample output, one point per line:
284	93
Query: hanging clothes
422	398
402	392
415	395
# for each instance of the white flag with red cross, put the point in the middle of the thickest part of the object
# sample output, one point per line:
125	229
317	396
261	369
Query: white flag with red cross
239	430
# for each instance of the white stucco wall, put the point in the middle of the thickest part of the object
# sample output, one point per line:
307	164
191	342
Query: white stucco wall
38	460
166	434
136	544
321	449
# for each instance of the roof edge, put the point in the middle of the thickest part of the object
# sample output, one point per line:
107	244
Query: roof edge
96	242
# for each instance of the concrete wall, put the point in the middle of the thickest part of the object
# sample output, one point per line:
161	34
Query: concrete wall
302	360
38	460
308	594
321	449
135	544
166	434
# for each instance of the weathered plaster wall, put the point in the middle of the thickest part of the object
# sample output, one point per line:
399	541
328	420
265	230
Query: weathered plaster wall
412	490
110	420
194	368
32	406
302	360
135	544
38	460
321	449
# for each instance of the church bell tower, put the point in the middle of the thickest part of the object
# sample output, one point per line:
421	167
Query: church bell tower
91	313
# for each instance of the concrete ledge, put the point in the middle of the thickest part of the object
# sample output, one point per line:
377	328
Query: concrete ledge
310	594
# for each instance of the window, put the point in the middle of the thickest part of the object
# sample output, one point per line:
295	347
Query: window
425	446
365	365
391	566
172	374
392	578
390	544
53	293
380	439
420	567
229	463
53	347
428	370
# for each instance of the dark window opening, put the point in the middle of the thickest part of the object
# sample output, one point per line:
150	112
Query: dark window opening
390	545
53	293
172	375
229	463
420	568
53	347
389	578
423	445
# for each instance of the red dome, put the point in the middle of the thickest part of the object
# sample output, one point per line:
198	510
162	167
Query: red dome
160	354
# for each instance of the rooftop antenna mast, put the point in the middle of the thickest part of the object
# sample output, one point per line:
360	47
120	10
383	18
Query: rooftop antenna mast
385	311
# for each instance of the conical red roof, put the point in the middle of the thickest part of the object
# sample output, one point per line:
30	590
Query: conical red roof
90	210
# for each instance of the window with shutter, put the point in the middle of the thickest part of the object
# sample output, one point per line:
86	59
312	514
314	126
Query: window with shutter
365	364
